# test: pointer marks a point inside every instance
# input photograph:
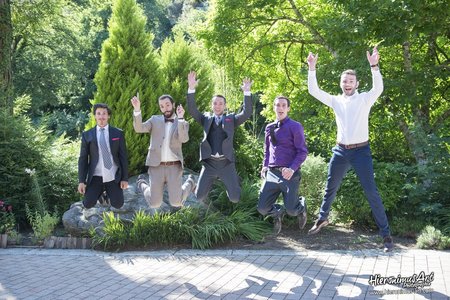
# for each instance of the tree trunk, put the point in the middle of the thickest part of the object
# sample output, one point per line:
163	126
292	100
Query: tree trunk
5	56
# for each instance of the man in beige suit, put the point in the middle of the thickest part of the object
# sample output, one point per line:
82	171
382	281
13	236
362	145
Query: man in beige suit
165	158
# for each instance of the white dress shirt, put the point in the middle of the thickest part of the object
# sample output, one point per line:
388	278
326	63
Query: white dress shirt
352	112
166	153
100	170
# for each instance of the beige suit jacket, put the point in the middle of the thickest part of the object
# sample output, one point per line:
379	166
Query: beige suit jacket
155	126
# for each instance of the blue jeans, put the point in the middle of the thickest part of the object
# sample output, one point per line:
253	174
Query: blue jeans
361	161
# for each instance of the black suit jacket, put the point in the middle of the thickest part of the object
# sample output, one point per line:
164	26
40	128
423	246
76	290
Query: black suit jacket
229	123
89	155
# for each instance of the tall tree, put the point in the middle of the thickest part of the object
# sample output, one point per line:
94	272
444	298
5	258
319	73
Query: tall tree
6	33
127	66
177	58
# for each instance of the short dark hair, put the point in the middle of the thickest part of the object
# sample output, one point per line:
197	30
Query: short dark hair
101	105
221	96
285	98
349	72
166	96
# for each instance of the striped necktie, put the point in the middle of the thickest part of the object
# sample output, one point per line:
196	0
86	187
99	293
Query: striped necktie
104	148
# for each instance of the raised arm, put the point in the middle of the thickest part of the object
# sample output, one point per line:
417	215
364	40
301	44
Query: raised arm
138	126
190	101
248	107
377	80
313	87
183	126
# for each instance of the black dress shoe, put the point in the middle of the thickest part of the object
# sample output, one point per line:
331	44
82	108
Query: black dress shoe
318	225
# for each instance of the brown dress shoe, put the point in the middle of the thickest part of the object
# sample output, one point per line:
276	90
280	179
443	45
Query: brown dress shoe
318	225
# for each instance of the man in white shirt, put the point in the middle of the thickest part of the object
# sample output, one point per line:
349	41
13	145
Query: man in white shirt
165	158
103	161
352	149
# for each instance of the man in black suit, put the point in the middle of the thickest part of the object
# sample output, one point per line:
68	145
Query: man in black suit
216	148
103	161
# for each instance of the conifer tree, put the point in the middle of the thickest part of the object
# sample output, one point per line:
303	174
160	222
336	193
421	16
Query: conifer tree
127	66
177	58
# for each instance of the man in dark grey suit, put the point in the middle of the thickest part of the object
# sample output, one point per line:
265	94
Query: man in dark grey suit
103	161
216	148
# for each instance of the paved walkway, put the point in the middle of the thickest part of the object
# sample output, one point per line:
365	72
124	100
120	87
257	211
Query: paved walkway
224	274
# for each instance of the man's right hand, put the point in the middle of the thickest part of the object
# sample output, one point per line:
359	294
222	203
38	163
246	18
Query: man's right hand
264	172
312	61
192	81
81	188
136	103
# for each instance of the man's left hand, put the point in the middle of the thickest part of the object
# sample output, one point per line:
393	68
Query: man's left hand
180	112
124	185
287	173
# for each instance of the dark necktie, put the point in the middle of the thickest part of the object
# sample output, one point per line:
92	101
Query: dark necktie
104	148
168	120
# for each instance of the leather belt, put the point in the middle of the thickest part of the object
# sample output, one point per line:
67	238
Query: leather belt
353	146
277	168
170	163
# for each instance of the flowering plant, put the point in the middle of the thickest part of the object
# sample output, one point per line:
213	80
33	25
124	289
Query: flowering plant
7	220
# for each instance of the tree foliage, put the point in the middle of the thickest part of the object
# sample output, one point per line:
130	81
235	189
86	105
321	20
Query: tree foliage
128	66
5	55
177	58
275	36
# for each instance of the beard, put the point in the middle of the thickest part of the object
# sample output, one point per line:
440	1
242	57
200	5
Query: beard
168	114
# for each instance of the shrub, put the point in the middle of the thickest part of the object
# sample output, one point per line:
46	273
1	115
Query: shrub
312	185
202	229
351	204
432	238
59	175
21	147
43	224
406	226
114	235
7	220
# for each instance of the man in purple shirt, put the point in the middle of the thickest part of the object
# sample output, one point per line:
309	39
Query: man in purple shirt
284	152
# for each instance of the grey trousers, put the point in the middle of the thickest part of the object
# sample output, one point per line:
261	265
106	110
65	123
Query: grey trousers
171	176
222	169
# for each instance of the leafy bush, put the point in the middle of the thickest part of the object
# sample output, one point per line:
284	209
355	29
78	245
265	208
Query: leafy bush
21	147
407	226
7	220
312	185
432	238
59	175
114	235
351	204
249	153
43	224
202	229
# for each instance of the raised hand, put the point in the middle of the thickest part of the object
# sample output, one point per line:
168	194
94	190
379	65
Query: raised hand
192	81
136	103
373	58
312	61
246	84
180	111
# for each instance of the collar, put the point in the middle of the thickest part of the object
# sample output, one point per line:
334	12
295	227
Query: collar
354	94
106	127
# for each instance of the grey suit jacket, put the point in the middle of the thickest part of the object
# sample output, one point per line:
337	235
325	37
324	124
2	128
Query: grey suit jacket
230	122
155	126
